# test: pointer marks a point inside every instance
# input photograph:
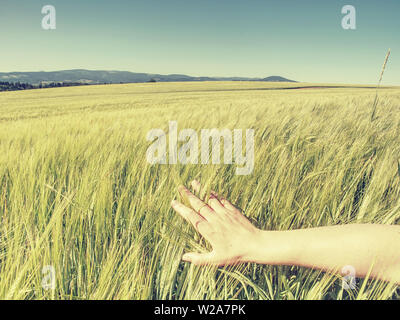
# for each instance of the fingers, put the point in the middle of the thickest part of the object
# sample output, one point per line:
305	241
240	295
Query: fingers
199	206
214	202
188	214
228	205
199	259
196	186
209	259
216	205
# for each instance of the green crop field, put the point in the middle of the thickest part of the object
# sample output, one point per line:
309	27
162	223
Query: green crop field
77	192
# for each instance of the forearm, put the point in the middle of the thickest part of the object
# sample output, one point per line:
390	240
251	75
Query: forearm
332	248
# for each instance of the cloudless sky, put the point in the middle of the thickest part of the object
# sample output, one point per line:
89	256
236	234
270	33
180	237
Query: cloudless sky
298	39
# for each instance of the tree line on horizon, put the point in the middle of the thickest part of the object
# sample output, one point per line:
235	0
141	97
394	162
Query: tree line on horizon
15	86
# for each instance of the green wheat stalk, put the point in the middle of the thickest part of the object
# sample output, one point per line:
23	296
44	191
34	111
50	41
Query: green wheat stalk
377	87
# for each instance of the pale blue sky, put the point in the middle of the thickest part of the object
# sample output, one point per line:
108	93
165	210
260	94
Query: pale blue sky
297	39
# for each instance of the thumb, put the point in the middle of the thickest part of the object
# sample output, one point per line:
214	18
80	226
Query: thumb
199	259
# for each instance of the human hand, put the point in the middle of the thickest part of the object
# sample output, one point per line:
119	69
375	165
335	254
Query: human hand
230	233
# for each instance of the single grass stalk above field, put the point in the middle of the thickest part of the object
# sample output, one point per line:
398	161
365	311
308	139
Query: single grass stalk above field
375	104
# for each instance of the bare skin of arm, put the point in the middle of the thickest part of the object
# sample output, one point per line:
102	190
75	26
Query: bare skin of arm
368	248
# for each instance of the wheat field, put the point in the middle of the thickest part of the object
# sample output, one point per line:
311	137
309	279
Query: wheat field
77	193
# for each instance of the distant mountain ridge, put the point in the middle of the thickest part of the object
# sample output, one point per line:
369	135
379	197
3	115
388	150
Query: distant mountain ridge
101	76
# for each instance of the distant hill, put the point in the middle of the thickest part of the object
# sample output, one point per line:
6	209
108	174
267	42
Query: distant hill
277	79
99	77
